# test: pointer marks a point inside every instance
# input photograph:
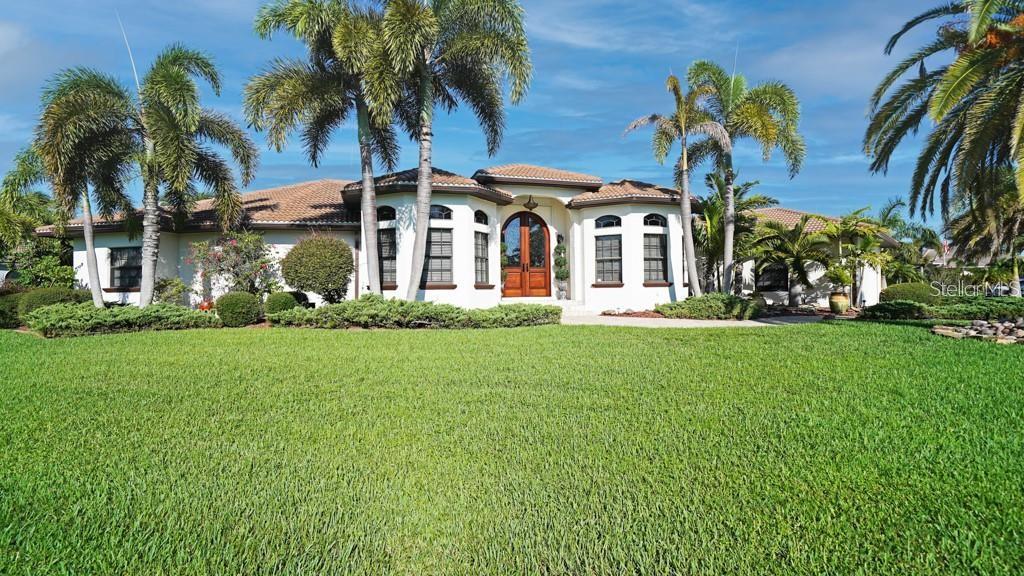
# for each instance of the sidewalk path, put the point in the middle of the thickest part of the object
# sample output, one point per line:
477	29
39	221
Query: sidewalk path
598	320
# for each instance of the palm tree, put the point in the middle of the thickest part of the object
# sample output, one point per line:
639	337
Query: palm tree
22	208
768	113
975	102
855	235
709	232
689	118
163	132
993	228
451	52
797	248
319	95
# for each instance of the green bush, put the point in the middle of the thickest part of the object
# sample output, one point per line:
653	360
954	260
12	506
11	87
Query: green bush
979	308
61	320
373	311
170	291
321	265
897	310
279	302
9	311
40	297
911	292
714	306
238	309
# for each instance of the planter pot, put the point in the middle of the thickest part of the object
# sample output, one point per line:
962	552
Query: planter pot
838	302
562	289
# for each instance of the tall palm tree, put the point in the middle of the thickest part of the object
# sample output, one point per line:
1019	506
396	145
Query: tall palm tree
993	228
319	95
768	114
975	102
689	118
81	148
798	248
452	52
164	132
709	233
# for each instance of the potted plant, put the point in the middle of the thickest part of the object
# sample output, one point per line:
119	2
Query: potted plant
840	277
561	272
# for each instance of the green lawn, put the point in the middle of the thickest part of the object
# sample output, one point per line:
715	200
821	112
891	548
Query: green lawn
833	448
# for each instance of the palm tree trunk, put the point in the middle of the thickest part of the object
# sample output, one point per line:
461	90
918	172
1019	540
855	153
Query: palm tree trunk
794	292
91	265
424	183
684	203
1015	282
150	228
368	199
730	228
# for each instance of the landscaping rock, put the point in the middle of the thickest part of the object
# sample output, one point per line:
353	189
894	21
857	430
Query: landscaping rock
1001	332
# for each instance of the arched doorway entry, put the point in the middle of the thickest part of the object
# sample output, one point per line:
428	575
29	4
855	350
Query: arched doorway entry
528	256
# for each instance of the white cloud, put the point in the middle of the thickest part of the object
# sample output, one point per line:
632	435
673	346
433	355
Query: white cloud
11	38
652	26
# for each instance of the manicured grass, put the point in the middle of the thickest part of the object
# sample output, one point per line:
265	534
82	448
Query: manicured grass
835	448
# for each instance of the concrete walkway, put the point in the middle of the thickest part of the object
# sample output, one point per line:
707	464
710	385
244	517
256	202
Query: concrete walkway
598	320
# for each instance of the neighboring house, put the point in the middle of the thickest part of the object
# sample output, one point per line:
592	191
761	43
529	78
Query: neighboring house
773	282
623	239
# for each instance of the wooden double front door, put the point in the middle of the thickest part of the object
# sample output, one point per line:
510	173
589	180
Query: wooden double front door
527	256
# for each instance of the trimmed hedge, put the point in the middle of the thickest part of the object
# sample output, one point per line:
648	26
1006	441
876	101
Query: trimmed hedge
41	297
373	311
60	320
279	302
910	292
9	311
237	309
962	309
715	306
320	264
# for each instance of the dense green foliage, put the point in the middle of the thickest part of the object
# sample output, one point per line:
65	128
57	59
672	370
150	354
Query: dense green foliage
897	310
9	310
576	450
960	308
322	265
82	319
279	302
239	309
47	296
48	272
713	306
913	292
373	311
171	291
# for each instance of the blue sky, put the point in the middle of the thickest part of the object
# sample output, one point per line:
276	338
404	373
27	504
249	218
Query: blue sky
598	65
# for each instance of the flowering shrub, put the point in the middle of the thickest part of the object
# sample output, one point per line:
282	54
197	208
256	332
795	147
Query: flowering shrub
242	259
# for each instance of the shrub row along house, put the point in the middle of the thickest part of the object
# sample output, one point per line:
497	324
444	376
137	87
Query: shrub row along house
493	238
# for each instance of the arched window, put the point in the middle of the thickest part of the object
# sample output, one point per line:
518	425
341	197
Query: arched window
655	220
440	212
608	222
385	214
480	217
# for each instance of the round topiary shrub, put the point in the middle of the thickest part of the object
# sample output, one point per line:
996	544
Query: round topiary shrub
320	264
279	302
238	309
40	297
910	292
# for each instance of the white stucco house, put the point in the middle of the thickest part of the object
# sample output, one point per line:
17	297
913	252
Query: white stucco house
623	240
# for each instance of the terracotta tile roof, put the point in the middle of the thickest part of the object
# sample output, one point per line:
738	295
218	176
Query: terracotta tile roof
529	174
316	203
790	217
625	192
405	181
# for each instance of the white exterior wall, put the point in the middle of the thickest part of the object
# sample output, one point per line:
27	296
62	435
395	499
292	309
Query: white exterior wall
633	295
870	287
